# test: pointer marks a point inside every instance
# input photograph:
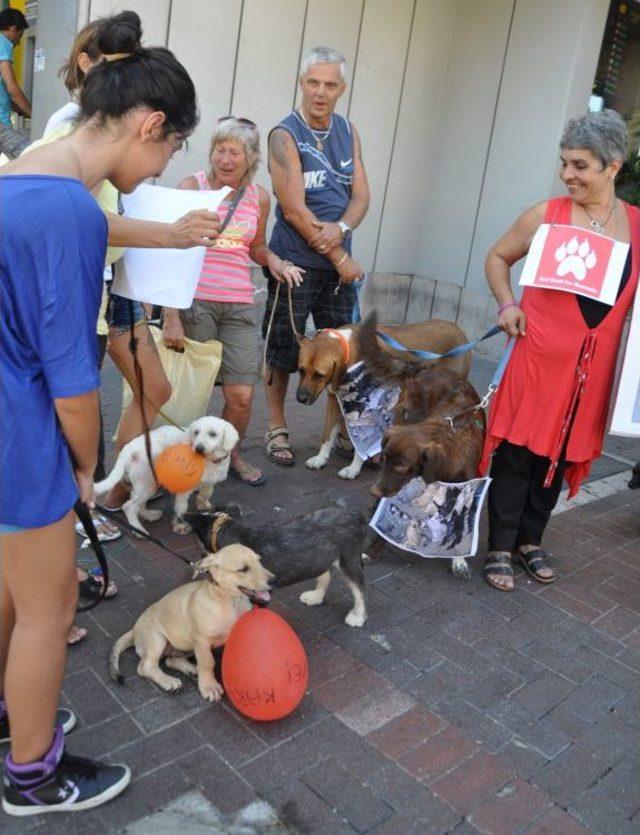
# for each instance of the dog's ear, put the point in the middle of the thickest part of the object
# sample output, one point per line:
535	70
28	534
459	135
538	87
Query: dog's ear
230	436
203	566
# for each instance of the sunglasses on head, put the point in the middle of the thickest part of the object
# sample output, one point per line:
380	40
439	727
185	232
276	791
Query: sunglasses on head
240	119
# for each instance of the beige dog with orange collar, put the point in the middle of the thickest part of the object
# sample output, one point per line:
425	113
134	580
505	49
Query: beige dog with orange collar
325	357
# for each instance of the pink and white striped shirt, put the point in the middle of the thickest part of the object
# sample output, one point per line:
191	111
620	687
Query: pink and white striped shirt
226	274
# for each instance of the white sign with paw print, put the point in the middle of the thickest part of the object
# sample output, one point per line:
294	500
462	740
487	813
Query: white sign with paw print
575	260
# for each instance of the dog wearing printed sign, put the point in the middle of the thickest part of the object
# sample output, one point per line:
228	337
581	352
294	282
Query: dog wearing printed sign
324	359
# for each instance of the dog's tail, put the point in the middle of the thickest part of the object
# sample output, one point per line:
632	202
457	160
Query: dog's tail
116	475
380	364
119	647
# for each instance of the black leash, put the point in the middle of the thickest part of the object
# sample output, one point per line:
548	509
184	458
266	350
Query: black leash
84	515
122	523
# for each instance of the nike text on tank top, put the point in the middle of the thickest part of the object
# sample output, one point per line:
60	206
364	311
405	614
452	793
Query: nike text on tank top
328	177
226	272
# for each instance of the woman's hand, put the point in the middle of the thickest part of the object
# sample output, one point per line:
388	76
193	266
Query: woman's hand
349	271
285	272
513	320
85	488
172	331
197	228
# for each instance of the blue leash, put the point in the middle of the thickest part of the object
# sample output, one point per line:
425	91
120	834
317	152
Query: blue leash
454	352
430	355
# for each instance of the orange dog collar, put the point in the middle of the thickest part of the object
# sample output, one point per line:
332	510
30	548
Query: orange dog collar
343	341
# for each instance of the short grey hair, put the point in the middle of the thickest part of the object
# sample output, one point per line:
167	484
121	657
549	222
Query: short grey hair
605	134
323	55
249	138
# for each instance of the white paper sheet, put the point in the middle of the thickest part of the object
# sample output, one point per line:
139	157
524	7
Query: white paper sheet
433	520
625	419
166	277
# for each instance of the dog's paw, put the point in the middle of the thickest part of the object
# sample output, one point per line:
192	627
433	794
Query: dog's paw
181	527
355	618
211	692
460	568
170	684
350	472
317	462
312	597
203	504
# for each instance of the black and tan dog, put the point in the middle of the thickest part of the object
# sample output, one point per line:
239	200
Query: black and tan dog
324	359
300	548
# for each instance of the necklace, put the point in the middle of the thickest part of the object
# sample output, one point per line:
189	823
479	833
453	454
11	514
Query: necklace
318	135
595	224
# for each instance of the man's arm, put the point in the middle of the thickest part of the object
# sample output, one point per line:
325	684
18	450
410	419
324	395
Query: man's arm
329	234
359	203
20	101
288	185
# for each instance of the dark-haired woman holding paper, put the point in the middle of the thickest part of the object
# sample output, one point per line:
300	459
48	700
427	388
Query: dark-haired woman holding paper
137	109
547	419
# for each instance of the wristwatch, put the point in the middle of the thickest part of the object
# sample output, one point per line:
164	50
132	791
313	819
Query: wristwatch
345	229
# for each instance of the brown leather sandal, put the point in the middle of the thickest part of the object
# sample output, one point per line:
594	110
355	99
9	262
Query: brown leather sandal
281	435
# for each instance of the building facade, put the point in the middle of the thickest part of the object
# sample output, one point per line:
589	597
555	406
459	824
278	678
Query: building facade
459	103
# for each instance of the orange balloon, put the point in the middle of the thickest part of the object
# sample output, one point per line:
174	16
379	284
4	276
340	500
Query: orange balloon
264	666
179	468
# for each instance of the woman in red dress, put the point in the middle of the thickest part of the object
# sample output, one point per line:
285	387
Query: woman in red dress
548	417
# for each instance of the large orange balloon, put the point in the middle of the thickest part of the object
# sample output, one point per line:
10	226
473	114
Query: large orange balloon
264	666
179	468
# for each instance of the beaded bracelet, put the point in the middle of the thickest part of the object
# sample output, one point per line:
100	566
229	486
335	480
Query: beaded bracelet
506	306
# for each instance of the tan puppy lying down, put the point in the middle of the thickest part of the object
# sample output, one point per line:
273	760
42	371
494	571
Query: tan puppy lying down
195	618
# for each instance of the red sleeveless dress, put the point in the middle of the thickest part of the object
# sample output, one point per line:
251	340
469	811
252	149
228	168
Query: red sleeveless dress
559	378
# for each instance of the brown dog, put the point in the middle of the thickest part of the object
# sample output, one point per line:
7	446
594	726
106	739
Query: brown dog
324	359
438	432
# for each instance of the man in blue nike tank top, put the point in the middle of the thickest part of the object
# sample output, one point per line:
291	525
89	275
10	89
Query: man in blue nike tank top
319	180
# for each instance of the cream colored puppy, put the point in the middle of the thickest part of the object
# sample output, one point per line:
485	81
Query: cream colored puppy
195	618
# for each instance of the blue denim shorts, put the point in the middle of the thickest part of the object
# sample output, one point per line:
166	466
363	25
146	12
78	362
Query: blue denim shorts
123	313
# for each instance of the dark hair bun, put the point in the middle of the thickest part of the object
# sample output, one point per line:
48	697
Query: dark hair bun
120	33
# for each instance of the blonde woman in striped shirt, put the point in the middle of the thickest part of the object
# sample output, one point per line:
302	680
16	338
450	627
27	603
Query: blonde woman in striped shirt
223	307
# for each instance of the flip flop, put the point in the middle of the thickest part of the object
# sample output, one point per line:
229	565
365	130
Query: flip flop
532	562
103	535
252	482
498	565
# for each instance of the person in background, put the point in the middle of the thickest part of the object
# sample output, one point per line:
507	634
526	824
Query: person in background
548	416
12	26
223	307
315	161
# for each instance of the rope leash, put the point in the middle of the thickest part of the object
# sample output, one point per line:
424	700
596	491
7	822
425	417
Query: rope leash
297	335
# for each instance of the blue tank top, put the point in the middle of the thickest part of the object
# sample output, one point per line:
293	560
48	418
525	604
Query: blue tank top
328	175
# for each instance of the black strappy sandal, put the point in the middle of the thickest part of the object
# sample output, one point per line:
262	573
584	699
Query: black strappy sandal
532	562
498	565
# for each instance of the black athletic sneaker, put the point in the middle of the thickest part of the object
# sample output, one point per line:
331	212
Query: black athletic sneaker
65	718
60	783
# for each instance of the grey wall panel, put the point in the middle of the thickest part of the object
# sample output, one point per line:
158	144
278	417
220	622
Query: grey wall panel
267	64
380	66
414	152
153	13
544	71
470	92
211	62
334	23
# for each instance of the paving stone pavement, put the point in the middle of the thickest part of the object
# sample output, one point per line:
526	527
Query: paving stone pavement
456	709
